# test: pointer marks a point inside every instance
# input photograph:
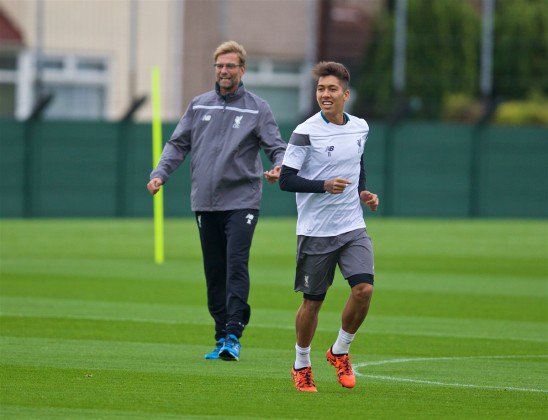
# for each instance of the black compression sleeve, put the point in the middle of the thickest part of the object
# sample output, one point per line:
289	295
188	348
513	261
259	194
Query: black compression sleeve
363	174
290	181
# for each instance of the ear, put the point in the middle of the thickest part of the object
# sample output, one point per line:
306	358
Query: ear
243	69
346	95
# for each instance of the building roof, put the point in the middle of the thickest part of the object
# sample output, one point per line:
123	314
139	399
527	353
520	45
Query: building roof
10	35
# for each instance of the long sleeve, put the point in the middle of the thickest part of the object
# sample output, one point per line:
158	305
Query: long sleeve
176	149
270	138
292	182
363	175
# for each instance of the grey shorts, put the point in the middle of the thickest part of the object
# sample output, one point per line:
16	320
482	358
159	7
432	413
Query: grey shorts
315	271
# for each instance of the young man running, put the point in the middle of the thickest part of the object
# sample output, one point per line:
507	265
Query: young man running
323	164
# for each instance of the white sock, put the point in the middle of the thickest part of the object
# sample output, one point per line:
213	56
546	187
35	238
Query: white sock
342	345
302	358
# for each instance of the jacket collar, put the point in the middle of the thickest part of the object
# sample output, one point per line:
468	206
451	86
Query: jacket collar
231	96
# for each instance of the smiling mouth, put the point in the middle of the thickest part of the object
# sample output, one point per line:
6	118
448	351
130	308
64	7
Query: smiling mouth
327	103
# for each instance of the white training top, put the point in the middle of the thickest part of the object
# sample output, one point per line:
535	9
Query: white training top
321	150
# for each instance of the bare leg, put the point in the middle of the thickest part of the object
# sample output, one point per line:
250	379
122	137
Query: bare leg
356	307
307	321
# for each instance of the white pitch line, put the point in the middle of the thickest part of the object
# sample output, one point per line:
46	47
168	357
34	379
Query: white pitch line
459	385
423	359
449	384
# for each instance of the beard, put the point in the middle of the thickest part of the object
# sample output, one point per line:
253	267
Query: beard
227	83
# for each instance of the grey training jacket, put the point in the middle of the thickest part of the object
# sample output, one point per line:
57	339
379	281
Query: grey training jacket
224	134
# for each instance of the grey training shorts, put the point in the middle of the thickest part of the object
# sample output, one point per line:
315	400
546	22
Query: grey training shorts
352	251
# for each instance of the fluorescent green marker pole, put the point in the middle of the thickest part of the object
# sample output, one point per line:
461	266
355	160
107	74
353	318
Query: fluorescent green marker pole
156	152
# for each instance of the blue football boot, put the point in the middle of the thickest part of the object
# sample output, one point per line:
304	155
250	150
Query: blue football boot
231	349
214	355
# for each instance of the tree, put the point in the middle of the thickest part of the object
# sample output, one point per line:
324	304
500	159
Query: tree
442	58
521	49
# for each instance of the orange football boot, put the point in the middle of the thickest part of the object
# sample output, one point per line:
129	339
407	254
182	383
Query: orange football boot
303	379
345	374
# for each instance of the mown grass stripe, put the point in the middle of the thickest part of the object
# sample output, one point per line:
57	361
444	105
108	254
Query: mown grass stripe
80	270
46	413
95	355
99	358
263	318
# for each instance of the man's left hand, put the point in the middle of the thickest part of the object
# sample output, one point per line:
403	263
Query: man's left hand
273	175
370	200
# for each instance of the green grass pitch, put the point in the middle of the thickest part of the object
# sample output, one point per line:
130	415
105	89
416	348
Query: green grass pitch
92	328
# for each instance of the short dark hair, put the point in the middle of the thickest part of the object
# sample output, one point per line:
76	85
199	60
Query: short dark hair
331	68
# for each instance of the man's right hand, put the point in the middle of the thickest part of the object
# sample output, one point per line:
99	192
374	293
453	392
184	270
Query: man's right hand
154	185
336	185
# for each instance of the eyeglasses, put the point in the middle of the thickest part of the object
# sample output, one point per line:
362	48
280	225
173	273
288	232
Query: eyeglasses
229	66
